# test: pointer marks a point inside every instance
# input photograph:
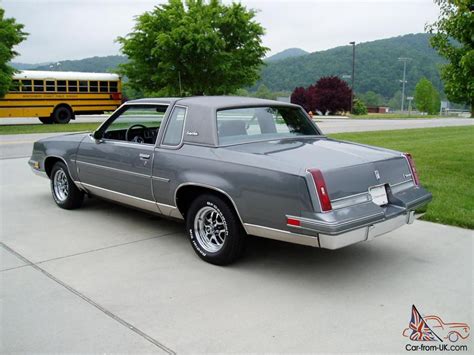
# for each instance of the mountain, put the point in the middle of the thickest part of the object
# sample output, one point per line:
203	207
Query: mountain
93	64
287	53
26	66
377	66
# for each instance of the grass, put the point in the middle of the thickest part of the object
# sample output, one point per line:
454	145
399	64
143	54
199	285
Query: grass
49	128
394	116
444	159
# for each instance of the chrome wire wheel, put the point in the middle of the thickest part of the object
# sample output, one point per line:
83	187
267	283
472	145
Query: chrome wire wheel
60	185
210	229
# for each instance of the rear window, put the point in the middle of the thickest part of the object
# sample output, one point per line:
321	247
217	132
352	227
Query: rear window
261	123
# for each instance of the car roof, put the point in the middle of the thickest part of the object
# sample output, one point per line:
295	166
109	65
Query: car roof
212	102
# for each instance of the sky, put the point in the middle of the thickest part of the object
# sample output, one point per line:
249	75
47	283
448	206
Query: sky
76	29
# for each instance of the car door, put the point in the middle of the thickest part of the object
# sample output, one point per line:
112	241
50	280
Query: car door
118	166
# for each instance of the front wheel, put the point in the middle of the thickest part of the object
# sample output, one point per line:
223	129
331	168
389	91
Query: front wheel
65	192
215	231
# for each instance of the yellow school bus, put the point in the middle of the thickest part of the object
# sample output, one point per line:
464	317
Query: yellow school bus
56	97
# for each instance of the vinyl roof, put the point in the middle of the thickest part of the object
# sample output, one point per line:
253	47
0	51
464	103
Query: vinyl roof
64	75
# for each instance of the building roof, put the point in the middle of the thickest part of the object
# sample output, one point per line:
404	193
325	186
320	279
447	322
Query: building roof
64	75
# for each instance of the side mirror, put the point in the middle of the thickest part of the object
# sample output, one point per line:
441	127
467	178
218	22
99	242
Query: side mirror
97	135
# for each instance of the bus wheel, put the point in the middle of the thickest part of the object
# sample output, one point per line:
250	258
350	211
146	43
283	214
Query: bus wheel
62	114
46	120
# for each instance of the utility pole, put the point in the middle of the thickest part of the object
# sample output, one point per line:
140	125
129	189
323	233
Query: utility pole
353	73
404	60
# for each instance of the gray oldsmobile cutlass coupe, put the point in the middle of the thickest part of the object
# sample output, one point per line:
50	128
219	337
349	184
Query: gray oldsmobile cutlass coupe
232	166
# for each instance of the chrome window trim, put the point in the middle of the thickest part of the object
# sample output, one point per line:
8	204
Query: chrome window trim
112	115
174	147
113	169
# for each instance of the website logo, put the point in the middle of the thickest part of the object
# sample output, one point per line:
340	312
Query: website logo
431	328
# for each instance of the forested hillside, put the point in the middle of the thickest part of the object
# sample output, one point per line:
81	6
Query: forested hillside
287	53
94	64
377	66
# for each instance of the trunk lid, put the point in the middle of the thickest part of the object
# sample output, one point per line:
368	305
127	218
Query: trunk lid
348	168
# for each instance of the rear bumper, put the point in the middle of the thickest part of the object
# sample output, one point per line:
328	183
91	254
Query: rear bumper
365	233
364	221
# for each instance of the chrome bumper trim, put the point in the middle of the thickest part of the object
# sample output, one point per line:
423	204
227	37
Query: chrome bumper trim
278	234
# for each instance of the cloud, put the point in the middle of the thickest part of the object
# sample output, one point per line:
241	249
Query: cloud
62	29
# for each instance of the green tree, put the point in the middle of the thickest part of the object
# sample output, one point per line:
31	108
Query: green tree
264	93
359	108
395	102
454	39
426	97
372	99
11	34
194	47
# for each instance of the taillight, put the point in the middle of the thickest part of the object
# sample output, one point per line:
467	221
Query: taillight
321	189
116	96
414	173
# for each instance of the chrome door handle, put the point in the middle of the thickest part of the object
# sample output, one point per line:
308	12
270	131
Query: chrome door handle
144	156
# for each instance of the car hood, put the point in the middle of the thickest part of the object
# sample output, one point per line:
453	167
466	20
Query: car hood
316	152
77	136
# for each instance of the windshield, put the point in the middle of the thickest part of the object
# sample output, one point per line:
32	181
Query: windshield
254	123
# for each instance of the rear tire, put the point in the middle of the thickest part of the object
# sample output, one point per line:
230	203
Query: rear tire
65	192
62	115
215	231
46	120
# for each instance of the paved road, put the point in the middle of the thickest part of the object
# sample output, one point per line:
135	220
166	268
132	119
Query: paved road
105	278
21	145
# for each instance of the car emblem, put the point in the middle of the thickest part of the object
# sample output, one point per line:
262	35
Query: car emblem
188	133
377	175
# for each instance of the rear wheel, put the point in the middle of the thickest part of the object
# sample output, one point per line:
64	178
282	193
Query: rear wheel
62	114
215	231
46	120
65	192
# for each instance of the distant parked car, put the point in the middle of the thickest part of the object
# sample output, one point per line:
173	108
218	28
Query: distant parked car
233	166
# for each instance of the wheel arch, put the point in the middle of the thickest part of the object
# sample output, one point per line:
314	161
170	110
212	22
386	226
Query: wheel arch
49	162
186	193
63	104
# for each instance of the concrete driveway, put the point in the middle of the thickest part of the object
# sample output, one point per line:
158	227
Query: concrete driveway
105	278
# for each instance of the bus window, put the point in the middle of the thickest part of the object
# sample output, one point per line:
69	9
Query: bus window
38	85
50	86
15	85
61	85
104	86
72	85
83	87
25	85
113	86
93	86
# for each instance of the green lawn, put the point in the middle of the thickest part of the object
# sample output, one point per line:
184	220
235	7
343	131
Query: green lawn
444	159
47	128
395	116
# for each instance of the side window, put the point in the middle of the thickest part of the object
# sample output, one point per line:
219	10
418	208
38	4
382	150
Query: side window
93	86
15	85
72	85
174	129
50	85
104	86
61	85
113	86
26	85
83	86
137	123
38	85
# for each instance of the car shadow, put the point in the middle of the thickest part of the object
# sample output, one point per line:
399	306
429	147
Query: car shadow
291	261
